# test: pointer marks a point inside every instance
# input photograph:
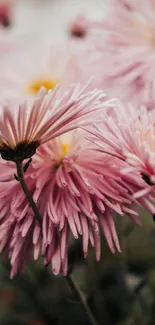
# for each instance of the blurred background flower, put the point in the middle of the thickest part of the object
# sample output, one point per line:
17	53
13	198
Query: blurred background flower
128	56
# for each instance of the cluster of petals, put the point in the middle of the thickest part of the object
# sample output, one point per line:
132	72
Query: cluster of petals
76	188
46	116
129	51
38	119
79	179
129	135
42	64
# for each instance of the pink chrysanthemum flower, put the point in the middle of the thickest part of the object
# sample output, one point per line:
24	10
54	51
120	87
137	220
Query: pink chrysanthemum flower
129	51
76	189
76	196
130	136
29	67
24	125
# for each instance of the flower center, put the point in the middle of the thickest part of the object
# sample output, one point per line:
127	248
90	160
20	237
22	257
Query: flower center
22	150
65	149
62	150
47	83
64	145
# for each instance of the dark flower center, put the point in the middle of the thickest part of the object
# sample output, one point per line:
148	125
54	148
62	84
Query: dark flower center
23	150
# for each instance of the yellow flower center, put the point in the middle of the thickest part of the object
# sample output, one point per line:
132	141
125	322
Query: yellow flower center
65	149
35	86
64	145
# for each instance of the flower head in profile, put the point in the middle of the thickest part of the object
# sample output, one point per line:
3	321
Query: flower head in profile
129	135
26	124
129	51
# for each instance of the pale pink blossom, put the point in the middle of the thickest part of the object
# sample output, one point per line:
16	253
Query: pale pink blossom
76	189
74	196
129	135
25	124
128	53
29	67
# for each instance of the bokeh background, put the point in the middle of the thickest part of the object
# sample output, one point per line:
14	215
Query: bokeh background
120	289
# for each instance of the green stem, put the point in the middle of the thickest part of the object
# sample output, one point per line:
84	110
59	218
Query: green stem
78	293
21	179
